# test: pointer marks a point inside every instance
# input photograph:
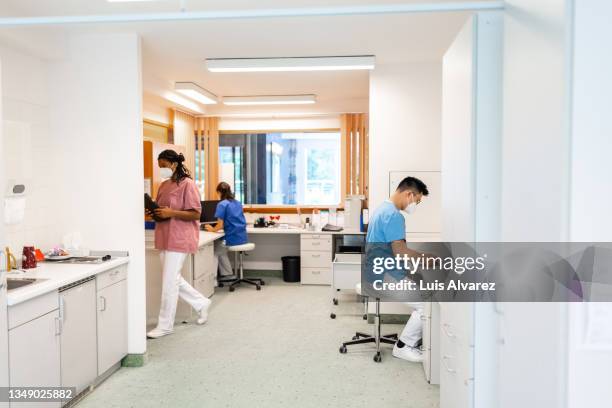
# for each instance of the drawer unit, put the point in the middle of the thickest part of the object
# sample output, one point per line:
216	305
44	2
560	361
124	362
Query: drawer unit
316	276
111	276
205	262
316	259
324	243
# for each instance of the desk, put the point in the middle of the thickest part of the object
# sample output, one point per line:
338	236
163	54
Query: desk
316	249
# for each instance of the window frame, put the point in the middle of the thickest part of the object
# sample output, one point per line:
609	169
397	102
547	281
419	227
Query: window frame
292	208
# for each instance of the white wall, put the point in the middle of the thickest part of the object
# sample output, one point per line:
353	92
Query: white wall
535	150
96	125
532	352
591	192
280	123
405	123
25	128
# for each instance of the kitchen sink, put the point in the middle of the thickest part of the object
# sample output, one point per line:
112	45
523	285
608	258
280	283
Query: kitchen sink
15	283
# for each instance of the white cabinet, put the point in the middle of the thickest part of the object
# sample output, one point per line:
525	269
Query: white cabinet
34	354
456	355
205	270
431	342
316	259
111	320
79	360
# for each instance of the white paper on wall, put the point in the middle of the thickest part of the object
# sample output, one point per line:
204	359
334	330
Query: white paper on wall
14	210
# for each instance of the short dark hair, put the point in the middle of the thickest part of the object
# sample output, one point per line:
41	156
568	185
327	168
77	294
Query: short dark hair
414	184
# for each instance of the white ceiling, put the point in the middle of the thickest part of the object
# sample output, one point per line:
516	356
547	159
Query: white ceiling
175	51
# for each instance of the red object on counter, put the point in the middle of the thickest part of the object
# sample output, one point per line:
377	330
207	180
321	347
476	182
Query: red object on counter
29	258
39	255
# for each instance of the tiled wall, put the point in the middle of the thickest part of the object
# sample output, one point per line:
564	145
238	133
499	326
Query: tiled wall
25	125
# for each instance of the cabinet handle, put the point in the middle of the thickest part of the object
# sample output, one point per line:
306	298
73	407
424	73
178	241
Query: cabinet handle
114	273
316	272
424	318
316	243
62	309
316	256
103	303
450	370
448	332
58	326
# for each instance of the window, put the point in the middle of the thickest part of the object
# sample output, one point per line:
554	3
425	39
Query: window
282	168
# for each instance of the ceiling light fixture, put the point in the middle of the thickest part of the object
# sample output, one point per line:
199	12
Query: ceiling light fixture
196	92
129	1
359	62
184	102
270	100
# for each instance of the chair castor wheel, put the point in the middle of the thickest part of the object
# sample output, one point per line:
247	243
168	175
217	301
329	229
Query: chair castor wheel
335	302
232	289
258	287
377	357
263	283
221	284
355	337
342	349
333	315
365	317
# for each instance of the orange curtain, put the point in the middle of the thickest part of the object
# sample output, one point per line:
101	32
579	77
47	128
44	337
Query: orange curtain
183	126
206	146
354	133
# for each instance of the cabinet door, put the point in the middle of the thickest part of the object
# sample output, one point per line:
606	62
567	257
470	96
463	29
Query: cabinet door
205	262
79	360
34	355
112	325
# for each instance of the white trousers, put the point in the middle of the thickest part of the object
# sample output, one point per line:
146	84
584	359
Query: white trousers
413	331
225	267
173	286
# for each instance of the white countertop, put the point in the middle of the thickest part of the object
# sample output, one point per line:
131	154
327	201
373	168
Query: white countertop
56	275
297	230
205	238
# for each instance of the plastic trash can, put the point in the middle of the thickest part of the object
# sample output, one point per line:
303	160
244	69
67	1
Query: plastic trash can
291	268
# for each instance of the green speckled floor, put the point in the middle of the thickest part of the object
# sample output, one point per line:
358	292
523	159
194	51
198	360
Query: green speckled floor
274	348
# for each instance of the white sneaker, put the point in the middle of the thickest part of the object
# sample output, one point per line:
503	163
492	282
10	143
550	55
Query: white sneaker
408	353
157	333
203	313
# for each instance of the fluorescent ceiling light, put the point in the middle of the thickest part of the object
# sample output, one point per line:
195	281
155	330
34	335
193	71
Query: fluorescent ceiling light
270	100
184	102
129	1
291	64
195	92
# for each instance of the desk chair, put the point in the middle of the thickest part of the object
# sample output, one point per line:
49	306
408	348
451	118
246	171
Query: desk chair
239	253
362	338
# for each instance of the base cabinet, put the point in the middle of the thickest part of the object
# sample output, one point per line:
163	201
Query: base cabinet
78	340
112	325
34	357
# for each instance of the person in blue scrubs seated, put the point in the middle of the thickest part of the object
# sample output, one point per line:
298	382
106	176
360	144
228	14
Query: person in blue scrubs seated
230	219
388	225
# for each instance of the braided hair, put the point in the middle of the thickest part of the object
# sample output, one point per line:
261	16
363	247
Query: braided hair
181	171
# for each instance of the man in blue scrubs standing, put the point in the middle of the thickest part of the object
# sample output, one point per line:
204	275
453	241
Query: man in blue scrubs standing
387	225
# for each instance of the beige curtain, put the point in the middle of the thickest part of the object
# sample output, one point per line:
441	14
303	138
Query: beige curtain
207	148
354	133
184	125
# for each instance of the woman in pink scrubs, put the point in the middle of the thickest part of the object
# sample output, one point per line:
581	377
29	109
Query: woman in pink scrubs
176	236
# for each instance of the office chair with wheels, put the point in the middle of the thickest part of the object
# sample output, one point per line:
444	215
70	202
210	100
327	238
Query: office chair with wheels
377	338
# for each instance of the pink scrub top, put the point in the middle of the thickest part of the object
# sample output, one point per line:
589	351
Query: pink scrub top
174	234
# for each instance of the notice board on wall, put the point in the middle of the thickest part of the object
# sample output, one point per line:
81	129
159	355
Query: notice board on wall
428	216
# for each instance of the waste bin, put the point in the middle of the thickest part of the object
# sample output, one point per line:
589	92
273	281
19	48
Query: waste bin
291	268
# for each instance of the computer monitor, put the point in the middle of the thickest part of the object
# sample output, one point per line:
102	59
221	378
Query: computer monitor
207	216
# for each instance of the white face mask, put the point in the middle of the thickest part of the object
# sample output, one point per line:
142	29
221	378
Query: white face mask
411	208
165	172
